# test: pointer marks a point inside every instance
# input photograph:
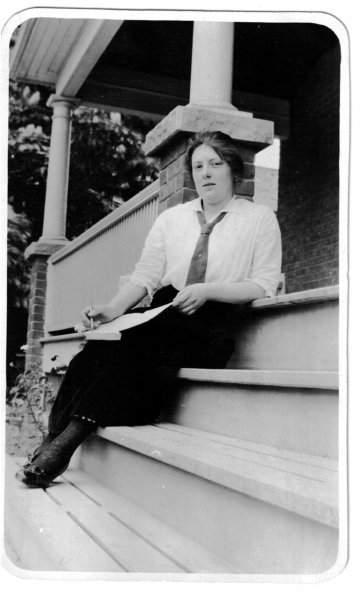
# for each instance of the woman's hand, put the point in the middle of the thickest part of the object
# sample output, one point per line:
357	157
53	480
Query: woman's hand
192	297
93	316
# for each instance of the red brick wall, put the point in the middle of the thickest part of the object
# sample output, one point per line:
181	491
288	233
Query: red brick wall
36	315
308	187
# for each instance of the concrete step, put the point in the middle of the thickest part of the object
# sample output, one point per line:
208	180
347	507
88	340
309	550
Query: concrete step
284	409
79	525
297	331
43	535
292	331
261	509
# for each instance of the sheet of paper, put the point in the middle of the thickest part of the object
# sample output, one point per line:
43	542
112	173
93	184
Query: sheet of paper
122	323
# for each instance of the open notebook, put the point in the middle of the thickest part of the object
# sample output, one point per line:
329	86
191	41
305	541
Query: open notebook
113	329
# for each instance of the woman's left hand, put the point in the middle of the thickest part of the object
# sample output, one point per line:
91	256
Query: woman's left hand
192	297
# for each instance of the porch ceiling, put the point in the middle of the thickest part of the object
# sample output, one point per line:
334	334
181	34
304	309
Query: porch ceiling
270	59
59	53
32	61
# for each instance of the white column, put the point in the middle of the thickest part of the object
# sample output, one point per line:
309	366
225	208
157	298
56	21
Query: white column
212	64
58	170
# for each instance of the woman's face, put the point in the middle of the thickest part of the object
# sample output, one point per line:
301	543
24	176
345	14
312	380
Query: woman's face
212	176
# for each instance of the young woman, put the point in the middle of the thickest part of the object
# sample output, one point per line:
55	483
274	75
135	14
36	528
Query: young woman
205	256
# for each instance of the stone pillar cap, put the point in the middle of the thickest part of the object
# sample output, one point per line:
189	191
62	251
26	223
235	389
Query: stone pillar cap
58	98
254	132
45	247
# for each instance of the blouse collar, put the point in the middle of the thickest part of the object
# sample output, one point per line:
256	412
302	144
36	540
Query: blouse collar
234	205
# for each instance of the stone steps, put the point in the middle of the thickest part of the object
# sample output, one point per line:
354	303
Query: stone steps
78	525
297	331
235	498
243	471
284	409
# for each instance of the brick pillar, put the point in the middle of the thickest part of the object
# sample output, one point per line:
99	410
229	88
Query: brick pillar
168	142
37	254
36	310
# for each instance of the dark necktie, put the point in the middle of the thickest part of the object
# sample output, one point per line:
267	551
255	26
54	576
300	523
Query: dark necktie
198	265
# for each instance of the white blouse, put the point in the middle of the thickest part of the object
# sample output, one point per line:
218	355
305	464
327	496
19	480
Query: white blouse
244	246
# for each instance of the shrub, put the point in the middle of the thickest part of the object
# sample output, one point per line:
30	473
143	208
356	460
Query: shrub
29	400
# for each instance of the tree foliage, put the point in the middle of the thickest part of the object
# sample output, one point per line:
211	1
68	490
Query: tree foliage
106	161
18	277
107	167
29	136
19	235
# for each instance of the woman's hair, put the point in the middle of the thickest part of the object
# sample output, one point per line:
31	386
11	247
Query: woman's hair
223	145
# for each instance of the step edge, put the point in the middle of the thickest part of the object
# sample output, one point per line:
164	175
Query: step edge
308	296
319	380
47	540
111	498
325	512
326	463
293	299
164	431
110	533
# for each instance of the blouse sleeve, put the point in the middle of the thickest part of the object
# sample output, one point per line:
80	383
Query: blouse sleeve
267	258
151	266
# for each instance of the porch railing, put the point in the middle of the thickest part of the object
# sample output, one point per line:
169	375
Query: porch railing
88	269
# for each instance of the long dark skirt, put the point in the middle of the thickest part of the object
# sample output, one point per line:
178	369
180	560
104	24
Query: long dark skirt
131	381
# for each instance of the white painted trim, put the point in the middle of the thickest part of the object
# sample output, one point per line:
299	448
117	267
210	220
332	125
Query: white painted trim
87	50
270	156
108	221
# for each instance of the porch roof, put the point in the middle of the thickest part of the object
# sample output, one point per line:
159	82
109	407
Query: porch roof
59	53
144	66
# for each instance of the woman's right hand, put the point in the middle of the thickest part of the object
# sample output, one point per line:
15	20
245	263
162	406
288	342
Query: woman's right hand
93	316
